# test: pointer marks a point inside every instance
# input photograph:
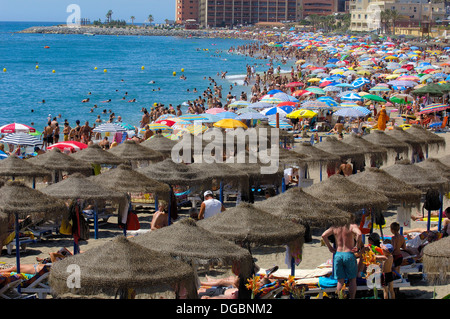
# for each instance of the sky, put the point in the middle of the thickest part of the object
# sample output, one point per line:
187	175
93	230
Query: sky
56	10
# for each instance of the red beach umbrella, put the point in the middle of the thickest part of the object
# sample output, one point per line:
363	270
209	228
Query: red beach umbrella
17	127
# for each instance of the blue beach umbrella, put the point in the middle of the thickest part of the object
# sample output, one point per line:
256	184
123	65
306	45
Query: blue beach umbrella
226	115
360	82
281	110
3	155
349	112
351	97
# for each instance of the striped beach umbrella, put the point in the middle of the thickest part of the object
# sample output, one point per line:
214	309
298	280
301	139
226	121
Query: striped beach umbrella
379	89
434	108
192	117
68	145
165	117
281	124
238	104
158	126
21	139
179	125
16	127
271	100
109	127
349	112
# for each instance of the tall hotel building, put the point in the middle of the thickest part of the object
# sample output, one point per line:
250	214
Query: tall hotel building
226	13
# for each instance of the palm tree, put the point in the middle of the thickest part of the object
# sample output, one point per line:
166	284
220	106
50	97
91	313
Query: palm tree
150	19
315	20
109	15
385	19
132	19
394	16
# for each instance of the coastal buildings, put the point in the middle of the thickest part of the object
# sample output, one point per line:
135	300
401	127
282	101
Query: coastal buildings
366	14
226	13
186	10
320	7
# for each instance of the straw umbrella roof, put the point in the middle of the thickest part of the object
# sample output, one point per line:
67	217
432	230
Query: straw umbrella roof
125	179
56	160
169	172
299	206
395	189
161	144
16	197
189	242
264	126
317	154
345	151
78	186
289	157
416	176
366	147
403	136
120	264
436	261
94	154
445	160
429	137
434	164
389	142
246	223
14	166
132	151
227	173
346	195
256	173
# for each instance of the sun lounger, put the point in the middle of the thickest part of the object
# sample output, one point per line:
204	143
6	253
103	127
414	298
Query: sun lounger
23	242
8	287
38	284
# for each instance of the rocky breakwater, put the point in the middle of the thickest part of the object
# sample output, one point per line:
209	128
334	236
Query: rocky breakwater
91	30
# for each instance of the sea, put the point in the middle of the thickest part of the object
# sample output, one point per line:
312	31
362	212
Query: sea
63	70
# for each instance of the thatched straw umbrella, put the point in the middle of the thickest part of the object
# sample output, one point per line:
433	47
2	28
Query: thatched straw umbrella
264	128
298	206
222	173
436	261
134	152
125	179
246	224
192	244
169	172
161	144
396	190
416	143
319	156
12	166
177	174
434	164
346	152
119	265
16	198
375	154
432	139
94	154
390	143
78	186
346	195
58	162
416	176
445	160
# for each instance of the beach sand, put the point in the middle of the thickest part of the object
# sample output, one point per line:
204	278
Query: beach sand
314	254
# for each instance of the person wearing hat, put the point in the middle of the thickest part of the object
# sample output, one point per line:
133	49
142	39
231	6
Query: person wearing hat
210	206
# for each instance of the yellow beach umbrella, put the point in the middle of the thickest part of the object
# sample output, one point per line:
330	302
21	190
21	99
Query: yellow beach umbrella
314	80
301	114
230	123
392	76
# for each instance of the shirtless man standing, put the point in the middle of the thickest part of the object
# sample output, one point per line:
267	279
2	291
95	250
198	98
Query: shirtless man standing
347	241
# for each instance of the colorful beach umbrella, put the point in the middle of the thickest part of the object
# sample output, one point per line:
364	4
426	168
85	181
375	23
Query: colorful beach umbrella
68	145
158	126
16	127
217	110
230	123
434	108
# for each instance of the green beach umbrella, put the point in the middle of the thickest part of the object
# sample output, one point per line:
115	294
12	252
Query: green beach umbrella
373	97
315	90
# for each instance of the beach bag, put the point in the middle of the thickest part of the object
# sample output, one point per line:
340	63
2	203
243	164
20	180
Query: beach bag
66	227
432	200
133	221
84	228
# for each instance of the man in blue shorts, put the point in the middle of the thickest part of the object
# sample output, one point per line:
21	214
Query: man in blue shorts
347	243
